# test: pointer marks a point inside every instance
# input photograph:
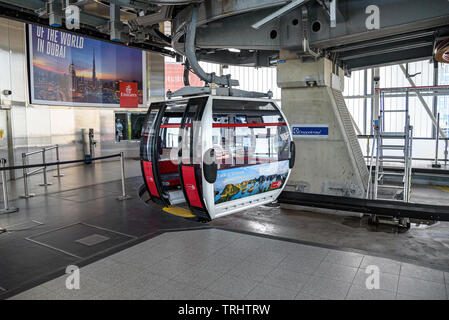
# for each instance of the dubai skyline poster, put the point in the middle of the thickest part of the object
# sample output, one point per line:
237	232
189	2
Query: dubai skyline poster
72	70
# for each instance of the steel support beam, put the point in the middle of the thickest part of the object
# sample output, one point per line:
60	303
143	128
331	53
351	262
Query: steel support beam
333	13
435	98
423	102
278	13
365	101
376	100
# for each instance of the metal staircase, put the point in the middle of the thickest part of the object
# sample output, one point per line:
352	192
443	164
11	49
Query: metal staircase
394	149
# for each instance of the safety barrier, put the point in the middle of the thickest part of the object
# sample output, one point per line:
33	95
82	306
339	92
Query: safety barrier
3	168
7	208
25	157
433	159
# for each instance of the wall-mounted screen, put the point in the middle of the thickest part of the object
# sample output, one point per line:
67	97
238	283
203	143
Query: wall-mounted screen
68	69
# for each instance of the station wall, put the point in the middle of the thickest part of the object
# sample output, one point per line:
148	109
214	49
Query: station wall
37	126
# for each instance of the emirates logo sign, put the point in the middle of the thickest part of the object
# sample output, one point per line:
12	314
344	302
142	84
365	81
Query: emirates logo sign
128	95
128	92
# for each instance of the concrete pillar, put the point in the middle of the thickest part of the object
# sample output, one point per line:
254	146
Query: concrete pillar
155	77
312	97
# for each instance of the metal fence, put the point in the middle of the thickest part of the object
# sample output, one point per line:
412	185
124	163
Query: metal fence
43	166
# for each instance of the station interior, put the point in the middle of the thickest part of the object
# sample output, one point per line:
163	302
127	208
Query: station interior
327	123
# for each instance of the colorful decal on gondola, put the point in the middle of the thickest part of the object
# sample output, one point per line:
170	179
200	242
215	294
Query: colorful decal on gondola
237	183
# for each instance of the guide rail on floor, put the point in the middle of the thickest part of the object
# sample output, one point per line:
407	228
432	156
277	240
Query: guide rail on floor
390	208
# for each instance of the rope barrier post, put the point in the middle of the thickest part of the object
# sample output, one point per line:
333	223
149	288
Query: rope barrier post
124	196
7	208
58	169
26	195
46	183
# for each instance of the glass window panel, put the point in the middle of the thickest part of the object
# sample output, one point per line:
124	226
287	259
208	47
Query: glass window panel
239	145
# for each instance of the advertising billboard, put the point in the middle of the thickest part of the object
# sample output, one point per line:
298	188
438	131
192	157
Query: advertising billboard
71	70
237	183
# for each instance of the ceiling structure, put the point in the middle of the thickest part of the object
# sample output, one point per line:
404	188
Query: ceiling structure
252	32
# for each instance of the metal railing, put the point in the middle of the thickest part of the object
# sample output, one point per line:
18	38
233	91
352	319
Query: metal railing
371	138
25	162
124	196
3	168
7	208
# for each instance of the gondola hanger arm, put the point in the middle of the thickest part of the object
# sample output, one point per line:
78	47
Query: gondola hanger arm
193	61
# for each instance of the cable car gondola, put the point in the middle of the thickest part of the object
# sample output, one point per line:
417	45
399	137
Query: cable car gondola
215	155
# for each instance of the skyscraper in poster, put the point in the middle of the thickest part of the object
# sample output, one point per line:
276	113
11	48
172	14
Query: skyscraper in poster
94	76
74	79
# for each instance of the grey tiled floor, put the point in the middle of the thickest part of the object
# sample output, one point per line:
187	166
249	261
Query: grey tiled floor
217	264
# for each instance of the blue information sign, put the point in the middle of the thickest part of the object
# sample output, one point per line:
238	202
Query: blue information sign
310	130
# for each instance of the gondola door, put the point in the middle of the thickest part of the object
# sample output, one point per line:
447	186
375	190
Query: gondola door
193	139
159	152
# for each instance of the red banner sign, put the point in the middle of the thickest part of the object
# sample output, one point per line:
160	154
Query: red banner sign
174	77
129	97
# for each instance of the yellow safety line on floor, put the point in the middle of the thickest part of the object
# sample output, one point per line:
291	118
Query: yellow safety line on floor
443	188
179	212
